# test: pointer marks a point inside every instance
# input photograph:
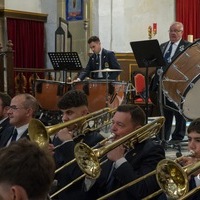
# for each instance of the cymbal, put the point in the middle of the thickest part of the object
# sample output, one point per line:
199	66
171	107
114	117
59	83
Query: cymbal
107	70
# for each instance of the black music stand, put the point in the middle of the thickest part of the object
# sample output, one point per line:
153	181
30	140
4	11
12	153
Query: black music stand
147	54
65	61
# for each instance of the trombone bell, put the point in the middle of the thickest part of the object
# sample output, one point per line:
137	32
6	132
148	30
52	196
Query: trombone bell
172	178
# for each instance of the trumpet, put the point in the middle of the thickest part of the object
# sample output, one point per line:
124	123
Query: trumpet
40	134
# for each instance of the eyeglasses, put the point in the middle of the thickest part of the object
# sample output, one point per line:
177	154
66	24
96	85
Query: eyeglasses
175	31
15	107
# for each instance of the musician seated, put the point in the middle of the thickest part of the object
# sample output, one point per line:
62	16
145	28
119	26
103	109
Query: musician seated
26	171
73	104
193	132
99	60
125	165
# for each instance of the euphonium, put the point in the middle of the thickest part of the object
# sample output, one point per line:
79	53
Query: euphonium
40	134
88	159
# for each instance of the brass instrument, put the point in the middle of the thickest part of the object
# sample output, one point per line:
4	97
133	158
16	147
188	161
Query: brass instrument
40	134
147	131
190	193
173	178
88	159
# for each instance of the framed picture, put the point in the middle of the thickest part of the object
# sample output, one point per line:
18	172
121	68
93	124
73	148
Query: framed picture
74	10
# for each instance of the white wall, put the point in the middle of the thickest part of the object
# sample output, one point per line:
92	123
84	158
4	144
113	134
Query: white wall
118	22
24	5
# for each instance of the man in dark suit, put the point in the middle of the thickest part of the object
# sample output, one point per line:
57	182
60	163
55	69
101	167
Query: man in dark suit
171	49
99	60
5	100
73	105
126	165
22	109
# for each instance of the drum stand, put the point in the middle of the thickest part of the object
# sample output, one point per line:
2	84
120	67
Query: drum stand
163	141
160	99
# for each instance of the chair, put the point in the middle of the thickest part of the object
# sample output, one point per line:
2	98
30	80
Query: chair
140	90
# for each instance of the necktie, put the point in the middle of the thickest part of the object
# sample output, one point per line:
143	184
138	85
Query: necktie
14	135
192	183
111	179
168	53
100	75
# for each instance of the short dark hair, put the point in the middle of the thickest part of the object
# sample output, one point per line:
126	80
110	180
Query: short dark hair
6	99
194	126
93	39
137	114
73	98
23	163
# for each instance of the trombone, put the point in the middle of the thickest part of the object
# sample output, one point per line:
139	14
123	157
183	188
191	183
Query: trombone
173	178
88	158
40	134
170	172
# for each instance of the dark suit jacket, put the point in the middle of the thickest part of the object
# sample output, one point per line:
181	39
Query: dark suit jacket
65	154
106	57
181	47
5	124
140	161
7	133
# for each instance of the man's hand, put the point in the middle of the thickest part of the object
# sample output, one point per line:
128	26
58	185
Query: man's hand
65	135
116	153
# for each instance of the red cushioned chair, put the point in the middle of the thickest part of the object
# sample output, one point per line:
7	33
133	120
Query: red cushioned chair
140	86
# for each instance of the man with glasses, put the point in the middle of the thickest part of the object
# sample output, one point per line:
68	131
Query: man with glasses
22	109
171	49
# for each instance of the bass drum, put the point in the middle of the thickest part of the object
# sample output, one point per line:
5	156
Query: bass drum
48	93
96	93
181	82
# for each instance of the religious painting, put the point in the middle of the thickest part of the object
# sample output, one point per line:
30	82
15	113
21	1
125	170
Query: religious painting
74	10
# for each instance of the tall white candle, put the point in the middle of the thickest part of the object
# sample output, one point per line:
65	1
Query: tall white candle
190	38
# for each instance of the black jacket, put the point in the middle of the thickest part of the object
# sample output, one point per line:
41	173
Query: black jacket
140	161
107	58
65	154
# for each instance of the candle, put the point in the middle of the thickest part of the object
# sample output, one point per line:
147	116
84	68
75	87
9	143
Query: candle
190	38
154	28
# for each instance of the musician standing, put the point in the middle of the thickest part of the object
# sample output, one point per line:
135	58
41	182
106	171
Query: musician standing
126	165
171	49
73	104
99	60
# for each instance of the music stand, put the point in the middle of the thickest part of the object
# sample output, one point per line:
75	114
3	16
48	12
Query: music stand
147	54
65	61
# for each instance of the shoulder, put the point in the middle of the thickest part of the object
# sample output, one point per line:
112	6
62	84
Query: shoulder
185	43
149	146
105	51
92	138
